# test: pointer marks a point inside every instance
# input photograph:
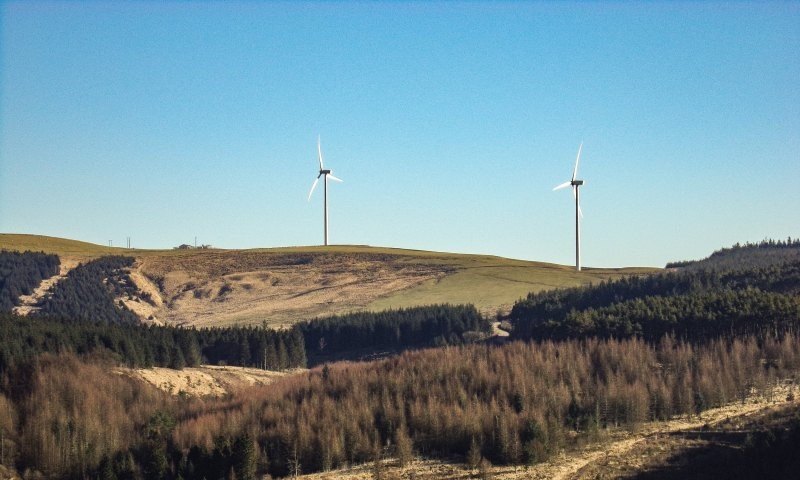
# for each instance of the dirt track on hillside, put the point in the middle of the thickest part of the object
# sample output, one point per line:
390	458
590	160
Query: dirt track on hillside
581	464
28	302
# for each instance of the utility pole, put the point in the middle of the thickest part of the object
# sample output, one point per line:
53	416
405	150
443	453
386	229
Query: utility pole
195	241
109	243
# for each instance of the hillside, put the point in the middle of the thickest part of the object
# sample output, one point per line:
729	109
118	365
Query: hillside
691	302
764	253
663	450
286	285
565	402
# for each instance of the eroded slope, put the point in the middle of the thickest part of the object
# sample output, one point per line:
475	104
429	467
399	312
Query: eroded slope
218	288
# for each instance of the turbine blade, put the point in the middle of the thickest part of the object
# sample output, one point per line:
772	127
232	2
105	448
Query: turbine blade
563	185
319	150
313	186
580	211
330	175
575	172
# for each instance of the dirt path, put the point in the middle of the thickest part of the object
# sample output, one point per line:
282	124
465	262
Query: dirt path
568	466
28	302
497	331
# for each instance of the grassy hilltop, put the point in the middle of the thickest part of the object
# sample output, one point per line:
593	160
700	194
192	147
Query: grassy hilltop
285	285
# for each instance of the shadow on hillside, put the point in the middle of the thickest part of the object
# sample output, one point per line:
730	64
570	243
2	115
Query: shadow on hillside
747	454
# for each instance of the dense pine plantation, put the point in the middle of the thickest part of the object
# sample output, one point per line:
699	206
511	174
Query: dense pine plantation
88	292
764	253
20	273
136	345
393	330
132	345
694	303
514	403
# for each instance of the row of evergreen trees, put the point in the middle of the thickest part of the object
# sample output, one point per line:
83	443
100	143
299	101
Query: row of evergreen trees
22	339
394	330
692	303
698	316
20	273
137	345
251	347
763	253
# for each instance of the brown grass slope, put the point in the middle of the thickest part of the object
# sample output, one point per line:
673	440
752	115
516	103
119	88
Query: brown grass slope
284	285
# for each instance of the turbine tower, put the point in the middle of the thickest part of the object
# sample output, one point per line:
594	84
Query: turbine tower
578	213
326	174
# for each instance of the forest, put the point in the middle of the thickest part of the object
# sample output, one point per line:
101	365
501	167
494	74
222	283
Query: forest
692	303
88	292
393	330
612	355
136	345
20	273
766	252
24	338
517	403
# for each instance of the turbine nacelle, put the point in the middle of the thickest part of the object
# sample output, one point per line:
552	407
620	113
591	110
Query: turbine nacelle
576	183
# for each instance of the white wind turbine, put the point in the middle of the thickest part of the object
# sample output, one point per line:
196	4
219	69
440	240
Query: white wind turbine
578	213
326	173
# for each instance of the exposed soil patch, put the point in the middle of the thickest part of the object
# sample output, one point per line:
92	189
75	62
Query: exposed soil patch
219	288
147	303
205	380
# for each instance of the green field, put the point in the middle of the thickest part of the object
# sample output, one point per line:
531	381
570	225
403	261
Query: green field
492	283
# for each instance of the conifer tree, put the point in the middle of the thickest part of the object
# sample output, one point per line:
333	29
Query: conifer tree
244	457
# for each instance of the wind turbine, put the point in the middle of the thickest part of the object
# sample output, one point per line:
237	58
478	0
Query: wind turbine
326	173
578	213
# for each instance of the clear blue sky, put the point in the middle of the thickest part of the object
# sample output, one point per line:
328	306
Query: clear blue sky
449	122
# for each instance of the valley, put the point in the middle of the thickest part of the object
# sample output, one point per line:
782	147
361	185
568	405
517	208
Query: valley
607	373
